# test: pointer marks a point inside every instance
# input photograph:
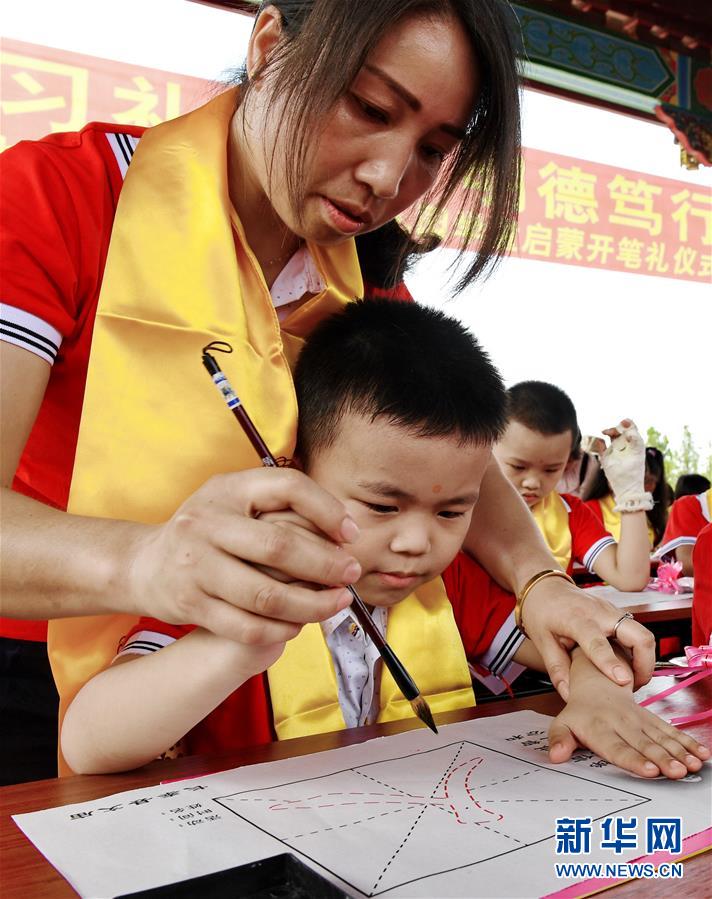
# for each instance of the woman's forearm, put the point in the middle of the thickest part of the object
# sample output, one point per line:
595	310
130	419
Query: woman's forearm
503	535
58	565
142	705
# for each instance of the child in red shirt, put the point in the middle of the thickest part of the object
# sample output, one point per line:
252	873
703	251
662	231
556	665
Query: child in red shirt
533	452
399	408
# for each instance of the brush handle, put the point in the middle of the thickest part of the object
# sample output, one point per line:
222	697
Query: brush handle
404	681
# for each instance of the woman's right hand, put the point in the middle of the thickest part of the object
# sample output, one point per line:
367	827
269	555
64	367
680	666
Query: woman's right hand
209	564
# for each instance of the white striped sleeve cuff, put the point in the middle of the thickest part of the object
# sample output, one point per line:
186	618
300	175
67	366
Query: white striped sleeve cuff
595	551
30	332
498	659
145	642
672	545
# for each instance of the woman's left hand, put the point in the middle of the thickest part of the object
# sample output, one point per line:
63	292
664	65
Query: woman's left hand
557	616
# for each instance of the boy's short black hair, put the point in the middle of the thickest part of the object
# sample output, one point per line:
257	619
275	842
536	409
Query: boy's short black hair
407	363
543	408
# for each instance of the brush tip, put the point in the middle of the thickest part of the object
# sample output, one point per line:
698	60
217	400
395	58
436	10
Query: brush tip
422	710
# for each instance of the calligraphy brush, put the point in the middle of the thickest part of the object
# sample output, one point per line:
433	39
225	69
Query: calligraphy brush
403	680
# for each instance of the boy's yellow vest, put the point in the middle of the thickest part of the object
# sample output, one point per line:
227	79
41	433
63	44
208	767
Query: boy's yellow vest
422	632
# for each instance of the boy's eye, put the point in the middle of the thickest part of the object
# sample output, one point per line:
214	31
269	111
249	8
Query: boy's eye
450	513
383	510
515	467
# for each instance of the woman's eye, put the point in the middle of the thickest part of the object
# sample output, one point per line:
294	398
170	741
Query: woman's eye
372	112
433	154
383	510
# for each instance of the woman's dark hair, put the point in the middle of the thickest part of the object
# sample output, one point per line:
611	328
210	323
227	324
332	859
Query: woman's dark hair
326	44
655	467
691	485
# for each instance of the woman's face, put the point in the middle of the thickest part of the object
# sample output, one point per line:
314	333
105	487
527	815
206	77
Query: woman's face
385	140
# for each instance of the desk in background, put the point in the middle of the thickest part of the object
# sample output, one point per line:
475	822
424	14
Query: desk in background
666	615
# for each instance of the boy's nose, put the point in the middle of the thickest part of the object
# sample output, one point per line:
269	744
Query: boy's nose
413	540
530	480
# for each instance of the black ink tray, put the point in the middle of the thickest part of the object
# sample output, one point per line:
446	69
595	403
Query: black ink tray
279	877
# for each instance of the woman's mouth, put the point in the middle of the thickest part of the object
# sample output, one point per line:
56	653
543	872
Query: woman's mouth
347	221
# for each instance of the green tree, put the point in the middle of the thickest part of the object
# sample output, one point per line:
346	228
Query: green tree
654	438
689	458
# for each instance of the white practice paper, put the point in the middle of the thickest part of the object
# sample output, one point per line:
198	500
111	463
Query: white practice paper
468	813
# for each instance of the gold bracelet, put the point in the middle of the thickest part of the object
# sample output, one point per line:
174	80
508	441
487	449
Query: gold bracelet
532	582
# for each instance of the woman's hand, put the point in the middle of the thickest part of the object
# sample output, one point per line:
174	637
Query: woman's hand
557	616
217	564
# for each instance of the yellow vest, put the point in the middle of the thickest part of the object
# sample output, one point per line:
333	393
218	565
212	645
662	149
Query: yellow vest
422	632
552	517
179	274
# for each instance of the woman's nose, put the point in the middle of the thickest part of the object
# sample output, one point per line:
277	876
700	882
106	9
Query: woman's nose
383	171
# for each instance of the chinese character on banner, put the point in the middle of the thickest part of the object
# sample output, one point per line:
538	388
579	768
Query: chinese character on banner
599	248
569	194
50	96
619	834
629	252
684	261
144	100
663	834
537	240
655	257
690	206
569	243
634	204
573	836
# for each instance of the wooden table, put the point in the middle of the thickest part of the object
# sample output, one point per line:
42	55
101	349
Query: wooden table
25	873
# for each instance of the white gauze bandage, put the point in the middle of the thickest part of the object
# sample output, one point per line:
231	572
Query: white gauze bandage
624	466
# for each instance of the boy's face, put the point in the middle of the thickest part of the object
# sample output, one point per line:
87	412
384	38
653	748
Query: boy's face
412	498
533	462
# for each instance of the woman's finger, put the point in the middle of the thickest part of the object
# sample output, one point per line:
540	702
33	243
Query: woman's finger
595	645
271	489
299	554
241	626
557	662
254	591
632	635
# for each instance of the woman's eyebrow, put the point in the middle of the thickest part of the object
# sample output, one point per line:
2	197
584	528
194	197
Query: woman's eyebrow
411	100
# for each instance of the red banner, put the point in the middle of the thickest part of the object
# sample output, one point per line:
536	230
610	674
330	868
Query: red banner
572	211
599	216
45	90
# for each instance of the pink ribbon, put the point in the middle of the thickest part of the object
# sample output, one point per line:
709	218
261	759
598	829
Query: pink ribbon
699	666
666	580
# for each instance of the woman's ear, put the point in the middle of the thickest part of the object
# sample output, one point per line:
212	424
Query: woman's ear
265	36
